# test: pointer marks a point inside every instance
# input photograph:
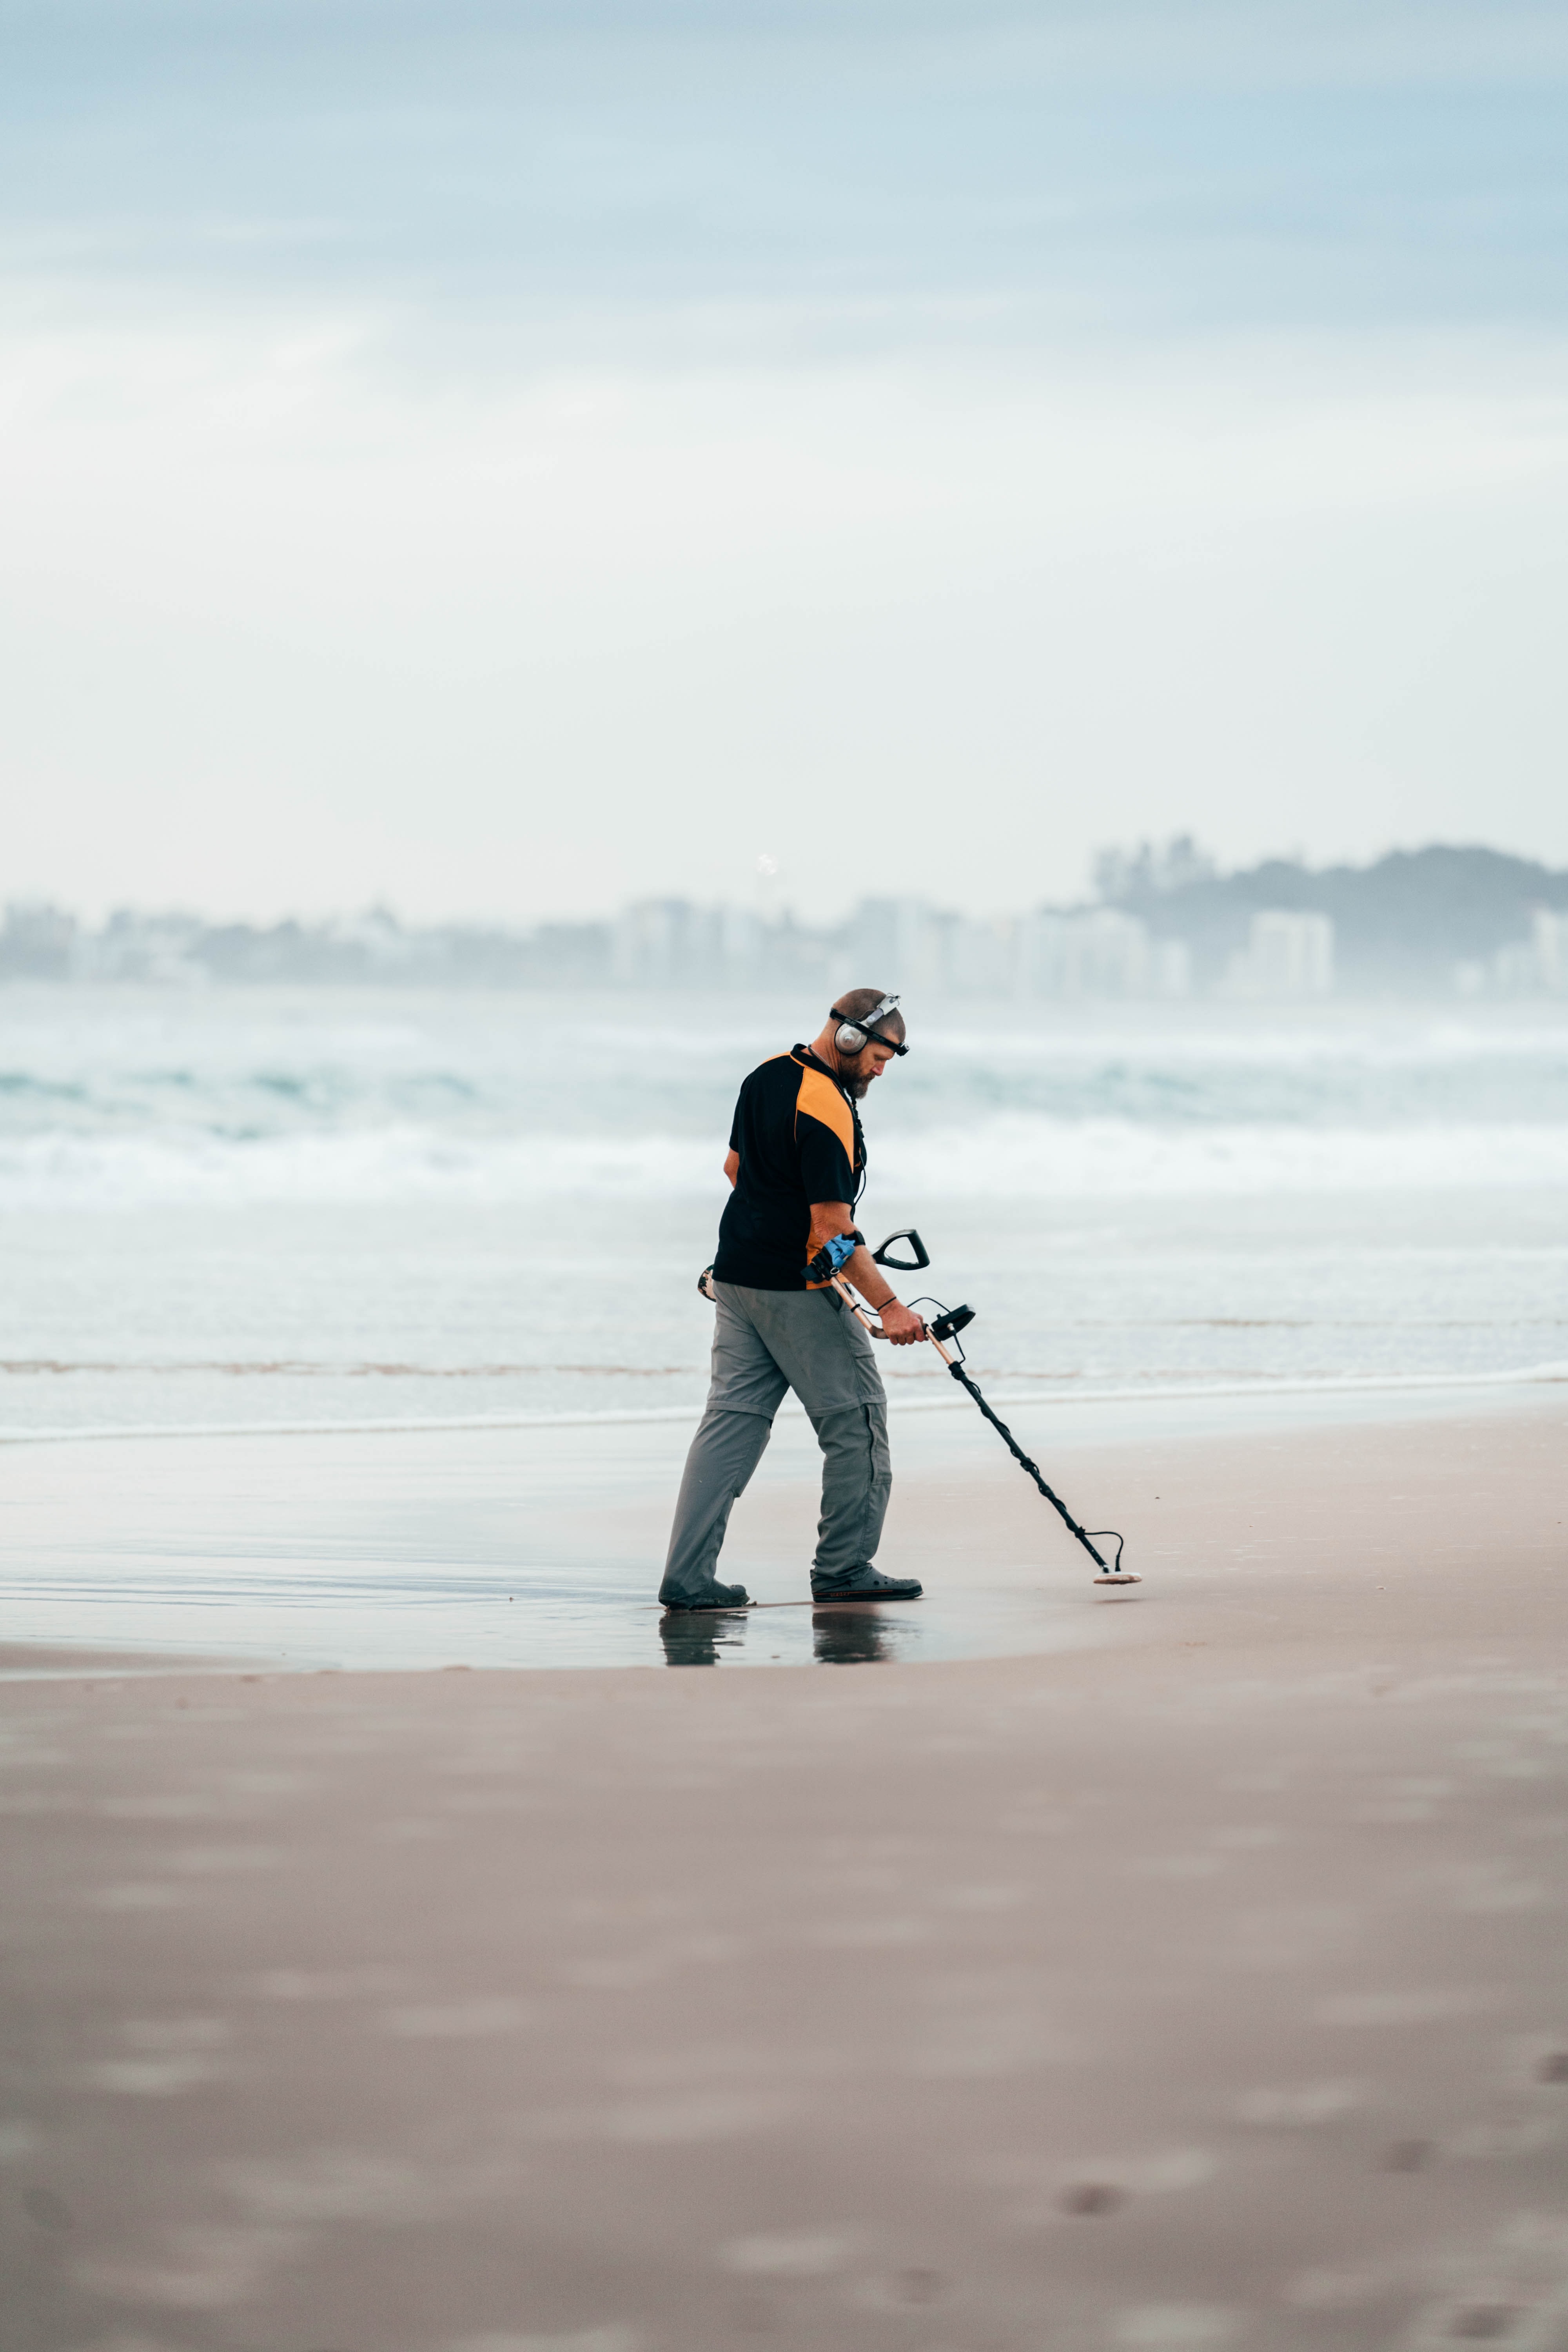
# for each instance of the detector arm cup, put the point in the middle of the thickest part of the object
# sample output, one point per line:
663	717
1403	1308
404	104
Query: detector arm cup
834	1256
916	1265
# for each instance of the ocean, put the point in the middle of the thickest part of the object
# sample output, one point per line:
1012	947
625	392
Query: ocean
230	1209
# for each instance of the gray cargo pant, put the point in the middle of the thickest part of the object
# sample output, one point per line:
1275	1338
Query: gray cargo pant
764	1342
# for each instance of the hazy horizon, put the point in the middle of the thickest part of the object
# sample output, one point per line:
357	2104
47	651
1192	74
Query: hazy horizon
763	899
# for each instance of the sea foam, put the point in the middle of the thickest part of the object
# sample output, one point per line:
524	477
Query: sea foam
1017	1155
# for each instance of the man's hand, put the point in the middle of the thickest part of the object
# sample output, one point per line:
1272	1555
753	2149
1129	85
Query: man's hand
901	1324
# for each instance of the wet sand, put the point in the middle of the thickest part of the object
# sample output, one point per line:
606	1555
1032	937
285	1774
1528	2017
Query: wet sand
422	1546
1199	1982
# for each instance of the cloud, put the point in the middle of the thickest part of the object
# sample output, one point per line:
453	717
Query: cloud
504	458
933	172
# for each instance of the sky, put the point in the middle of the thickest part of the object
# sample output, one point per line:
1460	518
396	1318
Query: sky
504	460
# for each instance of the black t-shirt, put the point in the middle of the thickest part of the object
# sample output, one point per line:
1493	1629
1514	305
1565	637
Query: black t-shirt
799	1139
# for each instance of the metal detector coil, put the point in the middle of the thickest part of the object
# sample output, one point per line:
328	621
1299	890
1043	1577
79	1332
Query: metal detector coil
942	1330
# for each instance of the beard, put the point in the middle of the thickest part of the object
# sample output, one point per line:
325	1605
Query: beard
857	1080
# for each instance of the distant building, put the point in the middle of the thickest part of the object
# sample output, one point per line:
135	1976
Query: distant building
152	949
900	944
1536	966
1288	954
1173	968
667	943
38	943
981	958
1549	938
1101	952
742	943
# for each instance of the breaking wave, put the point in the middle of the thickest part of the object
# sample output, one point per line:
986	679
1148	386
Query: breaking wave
1018	1155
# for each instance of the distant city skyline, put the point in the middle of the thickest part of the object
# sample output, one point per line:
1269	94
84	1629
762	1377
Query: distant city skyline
1169	925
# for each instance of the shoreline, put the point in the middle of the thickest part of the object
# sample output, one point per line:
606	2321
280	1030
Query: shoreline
1201	1391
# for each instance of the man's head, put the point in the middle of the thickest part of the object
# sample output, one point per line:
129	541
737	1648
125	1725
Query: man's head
856	1070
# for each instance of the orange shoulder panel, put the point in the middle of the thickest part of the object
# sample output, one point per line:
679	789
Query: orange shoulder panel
821	1101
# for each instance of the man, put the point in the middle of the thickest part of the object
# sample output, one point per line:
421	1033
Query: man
796	1163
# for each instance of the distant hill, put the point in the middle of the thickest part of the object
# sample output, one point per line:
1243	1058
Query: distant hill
1404	922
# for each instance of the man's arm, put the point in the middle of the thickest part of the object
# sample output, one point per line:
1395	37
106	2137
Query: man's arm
732	1167
900	1323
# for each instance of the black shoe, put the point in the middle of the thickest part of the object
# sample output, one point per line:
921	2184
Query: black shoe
718	1596
864	1584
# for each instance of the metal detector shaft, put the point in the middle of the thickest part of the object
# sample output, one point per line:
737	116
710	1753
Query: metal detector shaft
949	1321
1017	1452
1010	1443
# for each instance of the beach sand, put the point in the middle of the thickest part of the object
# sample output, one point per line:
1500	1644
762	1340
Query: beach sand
1199	1980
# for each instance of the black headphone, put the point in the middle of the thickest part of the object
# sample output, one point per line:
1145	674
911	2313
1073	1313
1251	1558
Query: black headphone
854	1036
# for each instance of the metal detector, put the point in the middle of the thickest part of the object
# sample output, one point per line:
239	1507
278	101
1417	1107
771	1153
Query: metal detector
942	1332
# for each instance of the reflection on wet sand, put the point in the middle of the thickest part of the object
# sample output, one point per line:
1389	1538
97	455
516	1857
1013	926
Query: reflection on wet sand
699	1640
841	1636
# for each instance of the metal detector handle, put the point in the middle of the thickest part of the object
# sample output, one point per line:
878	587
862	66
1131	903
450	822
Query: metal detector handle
916	1265
947	1326
860	1312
